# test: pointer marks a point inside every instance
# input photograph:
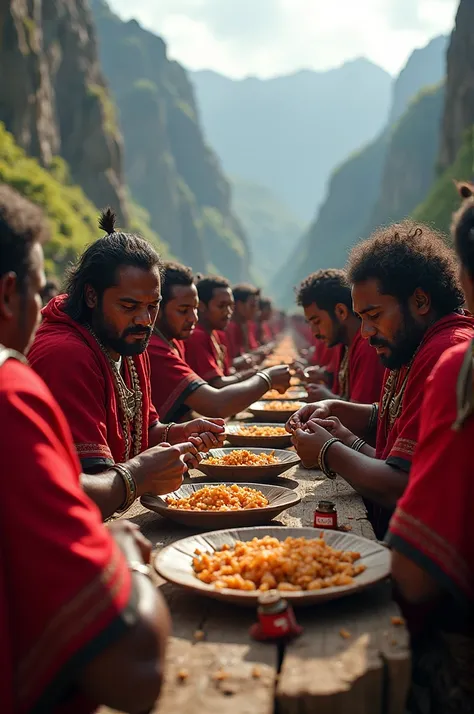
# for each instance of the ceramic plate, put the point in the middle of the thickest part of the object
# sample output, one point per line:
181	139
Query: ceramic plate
270	442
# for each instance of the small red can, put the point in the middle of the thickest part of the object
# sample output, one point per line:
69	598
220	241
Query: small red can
276	618
325	515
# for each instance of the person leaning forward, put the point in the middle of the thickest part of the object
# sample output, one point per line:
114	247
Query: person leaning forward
81	625
91	351
176	388
406	292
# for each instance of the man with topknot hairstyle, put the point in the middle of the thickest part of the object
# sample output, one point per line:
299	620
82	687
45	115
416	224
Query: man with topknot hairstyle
91	351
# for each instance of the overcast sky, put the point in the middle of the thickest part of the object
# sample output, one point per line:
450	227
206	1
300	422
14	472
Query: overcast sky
270	37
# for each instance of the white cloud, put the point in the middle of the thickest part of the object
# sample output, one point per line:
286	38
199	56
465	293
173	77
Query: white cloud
269	37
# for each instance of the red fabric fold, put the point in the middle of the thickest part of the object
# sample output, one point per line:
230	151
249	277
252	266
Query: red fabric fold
70	361
366	372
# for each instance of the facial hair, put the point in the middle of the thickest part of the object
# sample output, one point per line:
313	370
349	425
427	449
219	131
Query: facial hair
337	333
405	343
111	339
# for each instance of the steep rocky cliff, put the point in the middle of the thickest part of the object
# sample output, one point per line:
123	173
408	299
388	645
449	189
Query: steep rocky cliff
459	107
384	181
456	157
168	166
53	98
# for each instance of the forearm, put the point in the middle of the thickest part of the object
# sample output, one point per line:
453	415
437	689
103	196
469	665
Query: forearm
220	382
228	400
156	434
372	478
355	417
106	489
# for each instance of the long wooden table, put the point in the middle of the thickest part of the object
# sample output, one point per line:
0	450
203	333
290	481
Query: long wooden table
213	665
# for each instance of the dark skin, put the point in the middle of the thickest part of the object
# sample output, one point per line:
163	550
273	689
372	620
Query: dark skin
341	328
126	675
215	315
246	311
381	317
126	315
176	321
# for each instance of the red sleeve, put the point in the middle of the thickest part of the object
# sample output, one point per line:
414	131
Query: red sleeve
68	584
365	373
201	358
77	383
408	423
432	523
172	380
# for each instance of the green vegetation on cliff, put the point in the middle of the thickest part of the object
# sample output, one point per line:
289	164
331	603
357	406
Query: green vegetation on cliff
443	198
169	168
72	217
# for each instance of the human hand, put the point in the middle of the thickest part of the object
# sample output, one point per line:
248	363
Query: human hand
160	470
318	392
205	434
308	443
131	541
280	376
334	426
315	375
320	410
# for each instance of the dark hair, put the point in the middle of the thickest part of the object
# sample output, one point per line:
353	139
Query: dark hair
22	224
462	228
174	274
99	263
244	291
265	303
406	256
207	284
326	288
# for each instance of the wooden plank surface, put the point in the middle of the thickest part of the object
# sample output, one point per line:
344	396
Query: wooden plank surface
320	672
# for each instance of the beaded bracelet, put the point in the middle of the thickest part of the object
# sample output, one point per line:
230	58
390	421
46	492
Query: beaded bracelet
358	444
130	486
322	458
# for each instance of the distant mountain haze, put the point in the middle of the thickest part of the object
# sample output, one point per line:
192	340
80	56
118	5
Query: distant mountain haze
382	182
272	230
289	133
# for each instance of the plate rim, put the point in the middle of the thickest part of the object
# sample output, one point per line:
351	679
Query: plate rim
249	597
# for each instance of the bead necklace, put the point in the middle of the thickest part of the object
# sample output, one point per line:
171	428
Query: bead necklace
131	402
343	375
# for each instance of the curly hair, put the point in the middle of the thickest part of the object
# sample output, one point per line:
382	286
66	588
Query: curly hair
325	288
99	263
174	274
207	284
462	228
406	256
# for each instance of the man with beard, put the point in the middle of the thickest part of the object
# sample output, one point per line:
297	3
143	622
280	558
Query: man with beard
176	388
206	349
326	299
81	625
91	351
406	293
